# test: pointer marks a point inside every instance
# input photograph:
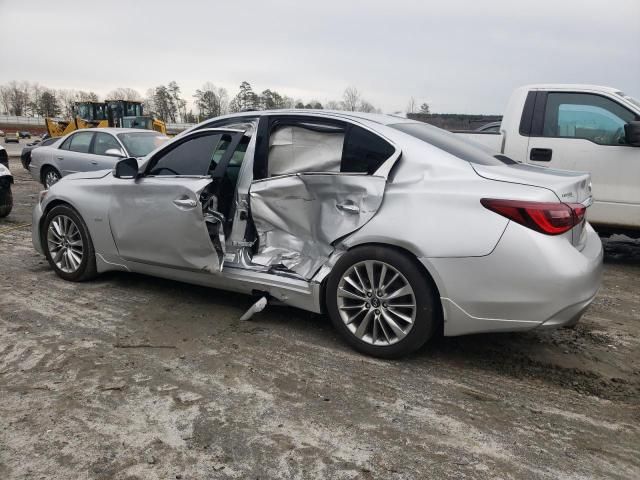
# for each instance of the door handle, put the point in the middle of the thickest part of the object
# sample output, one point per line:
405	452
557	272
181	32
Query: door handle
348	208
185	203
540	154
93	162
60	158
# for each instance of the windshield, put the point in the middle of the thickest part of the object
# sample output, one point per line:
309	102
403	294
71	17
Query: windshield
452	144
138	144
629	99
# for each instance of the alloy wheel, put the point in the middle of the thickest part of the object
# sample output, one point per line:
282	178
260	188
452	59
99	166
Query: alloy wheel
65	243
376	302
50	178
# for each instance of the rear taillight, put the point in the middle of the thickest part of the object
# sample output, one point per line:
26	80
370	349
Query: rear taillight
544	217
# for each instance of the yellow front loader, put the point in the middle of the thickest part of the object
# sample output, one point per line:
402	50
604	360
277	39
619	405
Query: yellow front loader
112	113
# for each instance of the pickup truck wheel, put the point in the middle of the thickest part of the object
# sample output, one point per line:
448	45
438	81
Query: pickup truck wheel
6	201
50	176
67	245
381	302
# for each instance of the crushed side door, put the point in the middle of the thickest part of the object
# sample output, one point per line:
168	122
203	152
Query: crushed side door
298	217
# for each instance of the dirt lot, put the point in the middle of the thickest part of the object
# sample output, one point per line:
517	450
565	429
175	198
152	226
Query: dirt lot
130	377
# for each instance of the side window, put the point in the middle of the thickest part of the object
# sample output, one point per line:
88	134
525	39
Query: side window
104	142
364	151
66	144
304	147
80	142
586	116
195	156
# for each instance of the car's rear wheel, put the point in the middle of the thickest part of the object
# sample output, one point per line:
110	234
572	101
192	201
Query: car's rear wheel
67	244
50	176
6	200
381	302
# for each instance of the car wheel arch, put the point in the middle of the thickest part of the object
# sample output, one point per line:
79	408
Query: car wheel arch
50	206
45	168
414	258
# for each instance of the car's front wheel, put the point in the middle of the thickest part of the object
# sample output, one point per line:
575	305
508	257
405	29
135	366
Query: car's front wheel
50	176
67	244
381	301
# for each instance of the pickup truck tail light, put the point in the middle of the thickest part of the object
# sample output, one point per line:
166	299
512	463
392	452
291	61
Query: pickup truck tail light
549	218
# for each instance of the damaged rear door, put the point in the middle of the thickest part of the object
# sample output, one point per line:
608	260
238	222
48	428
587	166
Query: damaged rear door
172	215
322	180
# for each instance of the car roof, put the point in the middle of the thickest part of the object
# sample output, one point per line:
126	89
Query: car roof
381	118
571	86
114	130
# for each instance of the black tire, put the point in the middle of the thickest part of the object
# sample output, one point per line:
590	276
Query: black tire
426	313
87	268
6	201
45	171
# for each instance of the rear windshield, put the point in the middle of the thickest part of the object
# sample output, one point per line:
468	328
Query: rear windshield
138	144
451	143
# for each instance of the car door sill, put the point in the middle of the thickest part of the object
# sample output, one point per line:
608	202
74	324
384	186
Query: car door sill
290	291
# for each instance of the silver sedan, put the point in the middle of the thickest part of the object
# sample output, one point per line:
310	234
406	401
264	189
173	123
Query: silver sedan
394	228
90	149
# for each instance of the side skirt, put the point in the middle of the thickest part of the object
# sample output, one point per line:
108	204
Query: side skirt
289	291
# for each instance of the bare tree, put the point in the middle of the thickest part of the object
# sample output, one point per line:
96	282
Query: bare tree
424	108
66	99
366	107
333	105
149	104
211	101
5	98
351	99
82	96
34	93
124	93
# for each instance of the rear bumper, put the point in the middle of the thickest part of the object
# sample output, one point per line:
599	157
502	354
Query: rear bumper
529	281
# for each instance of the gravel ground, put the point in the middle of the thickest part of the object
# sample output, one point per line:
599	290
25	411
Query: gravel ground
131	377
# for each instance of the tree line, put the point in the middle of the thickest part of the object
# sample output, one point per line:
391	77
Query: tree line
167	102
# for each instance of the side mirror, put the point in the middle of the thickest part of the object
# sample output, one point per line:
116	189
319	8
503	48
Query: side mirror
126	168
632	133
115	152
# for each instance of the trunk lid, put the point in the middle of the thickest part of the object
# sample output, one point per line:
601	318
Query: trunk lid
568	186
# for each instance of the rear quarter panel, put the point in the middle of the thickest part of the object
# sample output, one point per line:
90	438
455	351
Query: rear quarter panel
432	206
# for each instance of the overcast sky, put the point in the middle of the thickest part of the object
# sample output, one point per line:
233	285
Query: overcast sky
459	56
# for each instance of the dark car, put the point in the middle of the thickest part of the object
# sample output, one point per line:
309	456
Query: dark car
6	179
4	157
25	156
24	134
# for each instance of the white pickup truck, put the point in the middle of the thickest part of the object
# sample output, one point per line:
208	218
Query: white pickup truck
578	127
